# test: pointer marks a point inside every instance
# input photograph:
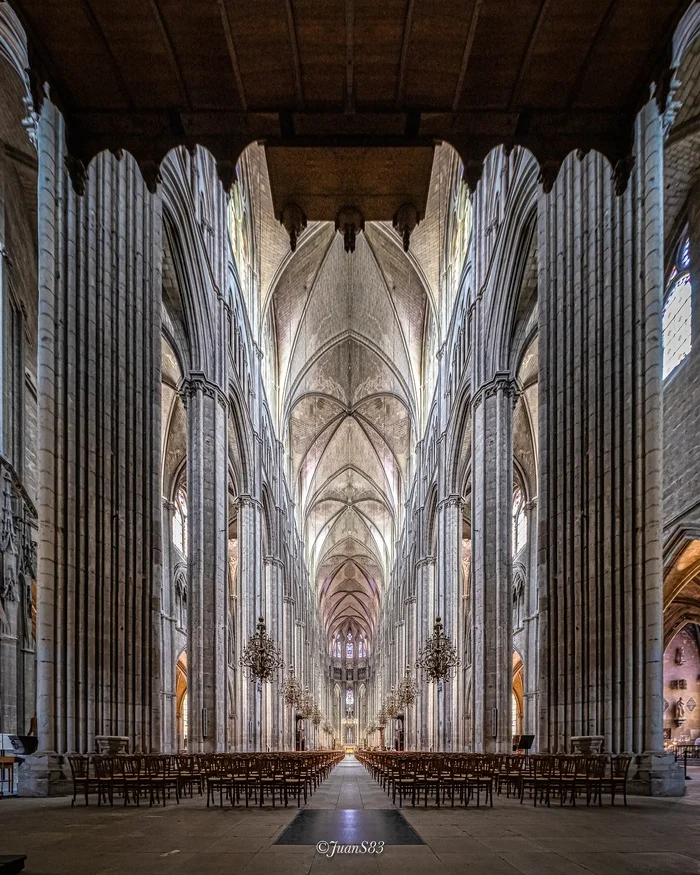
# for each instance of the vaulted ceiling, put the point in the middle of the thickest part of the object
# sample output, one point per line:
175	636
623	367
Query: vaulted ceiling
350	333
551	76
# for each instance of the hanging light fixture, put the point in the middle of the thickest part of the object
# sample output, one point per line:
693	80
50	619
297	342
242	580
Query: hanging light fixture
408	689
327	728
261	659
381	717
307	704
438	656
392	705
291	690
316	716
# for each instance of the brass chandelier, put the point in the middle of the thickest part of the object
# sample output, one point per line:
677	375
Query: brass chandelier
327	728
316	716
438	657
291	690
261	659
408	689
392	705
307	704
381	717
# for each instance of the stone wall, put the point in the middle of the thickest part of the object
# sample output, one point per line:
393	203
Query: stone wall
682	682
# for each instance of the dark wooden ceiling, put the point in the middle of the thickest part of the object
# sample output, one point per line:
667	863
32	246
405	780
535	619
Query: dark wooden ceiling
552	75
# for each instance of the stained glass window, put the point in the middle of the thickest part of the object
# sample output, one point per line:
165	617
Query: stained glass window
336	647
519	521
349	648
677	312
180	521
349	697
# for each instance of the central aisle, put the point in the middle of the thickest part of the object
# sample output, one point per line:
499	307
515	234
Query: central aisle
349	786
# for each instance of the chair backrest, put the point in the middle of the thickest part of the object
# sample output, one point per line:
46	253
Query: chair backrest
79	766
104	767
620	765
131	766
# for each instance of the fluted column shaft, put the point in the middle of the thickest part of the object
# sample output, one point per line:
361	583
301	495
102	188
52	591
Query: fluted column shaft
207	566
492	500
600	563
98	611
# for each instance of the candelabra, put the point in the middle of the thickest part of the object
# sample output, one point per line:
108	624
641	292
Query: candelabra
261	659
307	704
408	689
438	657
291	690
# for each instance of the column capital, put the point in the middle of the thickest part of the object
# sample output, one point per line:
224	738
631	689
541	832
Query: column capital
501	382
451	501
273	560
247	500
198	382
425	560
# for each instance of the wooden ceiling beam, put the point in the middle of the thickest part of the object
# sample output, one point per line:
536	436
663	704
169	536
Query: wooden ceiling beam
405	42
466	54
100	34
294	45
170	49
527	57
233	55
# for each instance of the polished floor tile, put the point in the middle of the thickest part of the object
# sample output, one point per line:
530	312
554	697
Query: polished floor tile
651	836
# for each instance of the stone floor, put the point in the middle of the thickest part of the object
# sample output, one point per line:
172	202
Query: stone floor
651	836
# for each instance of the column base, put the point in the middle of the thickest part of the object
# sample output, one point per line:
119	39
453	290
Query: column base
44	774
656	773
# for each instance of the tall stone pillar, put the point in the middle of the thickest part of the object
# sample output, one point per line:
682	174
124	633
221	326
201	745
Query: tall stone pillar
449	589
600	563
274	571
250	605
425	607
531	627
492	501
168	653
207	564
98	611
288	652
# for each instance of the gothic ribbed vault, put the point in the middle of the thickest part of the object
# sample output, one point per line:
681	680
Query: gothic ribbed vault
351	334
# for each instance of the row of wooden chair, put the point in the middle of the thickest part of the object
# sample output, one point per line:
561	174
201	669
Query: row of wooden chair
233	776
473	776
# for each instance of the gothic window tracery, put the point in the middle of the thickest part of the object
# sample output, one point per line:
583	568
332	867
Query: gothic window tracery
677	312
349	648
180	521
519	521
181	601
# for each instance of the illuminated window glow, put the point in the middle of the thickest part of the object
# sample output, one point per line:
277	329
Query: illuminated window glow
677	313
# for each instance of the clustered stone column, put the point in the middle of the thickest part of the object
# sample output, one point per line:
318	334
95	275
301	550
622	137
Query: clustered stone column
207	565
98	611
492	500
600	563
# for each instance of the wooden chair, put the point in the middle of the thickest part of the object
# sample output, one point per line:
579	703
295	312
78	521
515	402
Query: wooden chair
271	778
617	779
454	777
480	778
294	781
537	778
104	774
405	780
130	779
82	782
